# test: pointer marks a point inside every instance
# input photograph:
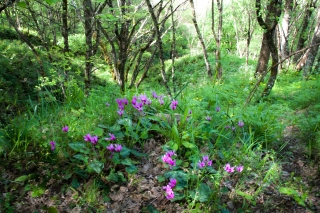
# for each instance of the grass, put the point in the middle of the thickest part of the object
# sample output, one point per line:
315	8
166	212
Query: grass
257	145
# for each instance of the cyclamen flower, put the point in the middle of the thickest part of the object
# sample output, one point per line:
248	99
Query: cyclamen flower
239	168
167	158
174	104
53	145
228	168
240	124
87	137
201	164
161	101
190	112
208	118
154	95
120	112
112	137
173	182
205	161
107	104
65	129
91	139
169	192
218	109
114	147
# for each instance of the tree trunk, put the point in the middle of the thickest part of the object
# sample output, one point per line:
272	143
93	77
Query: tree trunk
159	44
263	57
204	49
284	30
217	36
308	58
269	26
304	26
173	49
88	26
65	25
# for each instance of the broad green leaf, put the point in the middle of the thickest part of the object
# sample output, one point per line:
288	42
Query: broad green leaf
245	195
127	162
98	131
75	184
201	194
22	4
131	169
161	178
182	178
81	157
152	209
125	152
79	147
52	209
189	145
178	196
137	154
96	166
37	191
175	133
22	178
288	191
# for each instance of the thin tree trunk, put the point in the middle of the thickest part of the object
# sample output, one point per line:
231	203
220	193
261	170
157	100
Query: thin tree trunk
88	26
304	27
65	25
159	44
284	29
173	49
204	49
263	57
144	74
308	58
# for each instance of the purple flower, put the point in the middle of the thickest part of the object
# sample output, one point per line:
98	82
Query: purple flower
110	148
112	137
94	140
87	137
53	145
209	162
201	164
239	168
228	168
208	118
218	109
240	123
65	129
233	128
190	112
205	158
167	159
143	98
228	127
173	182
107	104
117	147
154	95
134	100
161	101
174	104
120	112
169	192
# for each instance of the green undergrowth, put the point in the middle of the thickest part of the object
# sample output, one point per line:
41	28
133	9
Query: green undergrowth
208	128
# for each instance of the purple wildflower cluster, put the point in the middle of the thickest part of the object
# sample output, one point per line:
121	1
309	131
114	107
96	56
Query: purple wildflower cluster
168	188
205	162
174	104
167	158
114	147
112	137
65	129
53	145
121	103
140	101
159	97
228	168
91	139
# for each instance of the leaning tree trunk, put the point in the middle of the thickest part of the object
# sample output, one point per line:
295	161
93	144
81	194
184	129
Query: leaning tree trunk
308	58
284	30
159	44
304	27
263	57
269	26
204	49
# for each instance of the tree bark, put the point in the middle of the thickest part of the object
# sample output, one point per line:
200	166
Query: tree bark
173	48
159	44
204	49
284	30
308	58
269	26
304	26
65	30
263	57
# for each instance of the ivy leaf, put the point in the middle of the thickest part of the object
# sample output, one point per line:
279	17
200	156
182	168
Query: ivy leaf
96	166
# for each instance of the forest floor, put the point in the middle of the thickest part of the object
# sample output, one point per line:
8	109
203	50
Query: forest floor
143	193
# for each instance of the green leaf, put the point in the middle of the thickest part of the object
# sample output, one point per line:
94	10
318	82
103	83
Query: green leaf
52	209
98	131
52	1
125	152
152	209
116	177
96	166
175	133
189	145
137	154
81	157
127	162
182	178
22	178
79	147
22	4
202	194
75	184
161	178
131	169
37	191
178	196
